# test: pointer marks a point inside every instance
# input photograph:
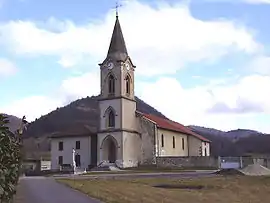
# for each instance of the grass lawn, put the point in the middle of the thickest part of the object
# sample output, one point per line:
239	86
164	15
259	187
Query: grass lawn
130	172
233	189
149	170
135	171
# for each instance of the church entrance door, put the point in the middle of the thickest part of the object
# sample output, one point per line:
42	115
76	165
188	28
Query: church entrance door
109	149
112	152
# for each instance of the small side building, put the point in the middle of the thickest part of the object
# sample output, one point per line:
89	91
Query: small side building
82	140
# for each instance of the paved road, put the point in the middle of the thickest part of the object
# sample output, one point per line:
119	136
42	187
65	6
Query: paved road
46	190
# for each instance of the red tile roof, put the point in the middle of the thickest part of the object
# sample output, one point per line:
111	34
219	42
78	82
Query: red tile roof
174	126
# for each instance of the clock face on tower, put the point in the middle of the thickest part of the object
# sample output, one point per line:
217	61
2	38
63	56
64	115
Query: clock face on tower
110	65
127	66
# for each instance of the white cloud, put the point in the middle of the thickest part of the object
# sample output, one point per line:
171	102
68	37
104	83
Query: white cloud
260	64
248	94
32	106
191	106
71	89
168	32
81	86
7	67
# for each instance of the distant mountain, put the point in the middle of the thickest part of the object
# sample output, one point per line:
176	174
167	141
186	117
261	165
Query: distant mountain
235	142
221	145
211	131
14	122
233	134
240	133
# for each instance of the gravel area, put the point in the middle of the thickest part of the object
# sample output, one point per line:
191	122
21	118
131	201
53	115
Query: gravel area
256	170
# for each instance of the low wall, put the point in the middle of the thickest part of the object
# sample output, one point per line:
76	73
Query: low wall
208	161
188	162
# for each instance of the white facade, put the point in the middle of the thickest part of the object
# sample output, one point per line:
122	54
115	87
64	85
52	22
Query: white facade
68	144
205	149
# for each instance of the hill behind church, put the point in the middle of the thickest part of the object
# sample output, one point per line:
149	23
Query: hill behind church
75	116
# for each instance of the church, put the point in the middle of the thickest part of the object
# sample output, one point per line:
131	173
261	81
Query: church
125	136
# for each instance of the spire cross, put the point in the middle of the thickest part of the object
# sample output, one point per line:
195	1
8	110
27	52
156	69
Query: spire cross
117	5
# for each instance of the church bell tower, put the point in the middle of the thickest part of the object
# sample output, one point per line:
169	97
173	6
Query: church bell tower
117	103
117	70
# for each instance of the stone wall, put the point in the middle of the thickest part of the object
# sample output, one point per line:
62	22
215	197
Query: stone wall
188	162
147	134
208	162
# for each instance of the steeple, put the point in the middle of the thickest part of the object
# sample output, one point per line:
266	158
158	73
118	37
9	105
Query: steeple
117	49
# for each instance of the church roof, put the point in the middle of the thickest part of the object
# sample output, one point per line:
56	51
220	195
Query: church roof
76	130
117	49
174	126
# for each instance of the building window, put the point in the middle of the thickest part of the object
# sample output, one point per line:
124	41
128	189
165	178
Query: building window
111	119
205	151
60	146
162	140
78	160
78	145
111	84
183	143
127	85
60	160
173	142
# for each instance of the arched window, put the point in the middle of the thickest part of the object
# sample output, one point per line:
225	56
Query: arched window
111	119
183	143
173	142
162	140
127	84
111	84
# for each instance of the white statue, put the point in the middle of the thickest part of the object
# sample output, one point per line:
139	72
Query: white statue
73	159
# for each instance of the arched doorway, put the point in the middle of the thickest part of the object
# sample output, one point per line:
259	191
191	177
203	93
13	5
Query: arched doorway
109	149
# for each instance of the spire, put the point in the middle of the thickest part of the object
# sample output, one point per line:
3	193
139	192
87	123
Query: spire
117	49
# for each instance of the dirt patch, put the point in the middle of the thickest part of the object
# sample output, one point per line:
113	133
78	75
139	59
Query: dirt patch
175	186
229	171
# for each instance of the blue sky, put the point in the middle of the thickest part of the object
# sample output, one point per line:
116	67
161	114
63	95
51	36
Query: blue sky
210	57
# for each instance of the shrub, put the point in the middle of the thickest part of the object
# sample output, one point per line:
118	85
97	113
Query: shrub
10	161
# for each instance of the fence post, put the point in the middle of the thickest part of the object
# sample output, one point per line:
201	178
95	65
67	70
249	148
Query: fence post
219	162
241	162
